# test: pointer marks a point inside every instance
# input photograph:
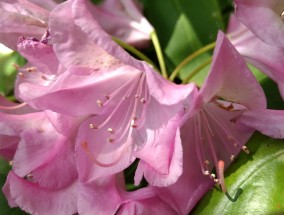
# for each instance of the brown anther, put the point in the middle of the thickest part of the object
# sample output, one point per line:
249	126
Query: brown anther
245	149
110	140
44	78
110	130
93	126
31	69
132	123
143	101
206	162
21	74
206	172
16	66
99	102
107	97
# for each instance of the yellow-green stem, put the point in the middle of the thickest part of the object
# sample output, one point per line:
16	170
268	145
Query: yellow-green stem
159	53
195	71
191	57
134	51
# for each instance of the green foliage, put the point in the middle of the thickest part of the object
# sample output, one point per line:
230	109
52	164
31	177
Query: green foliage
8	71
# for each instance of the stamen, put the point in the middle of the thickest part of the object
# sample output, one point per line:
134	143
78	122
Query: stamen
221	167
86	148
143	101
245	149
13	107
100	104
132	123
232	157
110	130
16	66
206	172
31	69
107	97
21	74
110	140
93	126
11	163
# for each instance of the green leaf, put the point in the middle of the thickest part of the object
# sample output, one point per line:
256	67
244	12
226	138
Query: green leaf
255	182
8	71
183	28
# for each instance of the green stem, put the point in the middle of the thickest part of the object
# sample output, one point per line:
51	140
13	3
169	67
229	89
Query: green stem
134	51
191	57
159	53
195	71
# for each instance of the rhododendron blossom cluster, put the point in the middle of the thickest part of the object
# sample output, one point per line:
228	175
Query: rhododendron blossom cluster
88	111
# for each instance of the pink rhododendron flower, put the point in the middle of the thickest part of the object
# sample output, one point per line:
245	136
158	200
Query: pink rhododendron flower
21	18
211	120
265	57
124	20
44	177
264	18
93	197
10	131
105	86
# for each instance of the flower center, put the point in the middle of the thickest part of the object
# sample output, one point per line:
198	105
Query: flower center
217	139
117	121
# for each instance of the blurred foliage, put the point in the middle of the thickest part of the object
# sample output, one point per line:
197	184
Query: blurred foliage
8	71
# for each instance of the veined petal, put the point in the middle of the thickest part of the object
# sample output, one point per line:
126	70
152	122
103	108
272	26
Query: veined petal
263	18
268	122
21	18
230	79
86	21
161	156
267	58
36	200
101	196
39	54
167	92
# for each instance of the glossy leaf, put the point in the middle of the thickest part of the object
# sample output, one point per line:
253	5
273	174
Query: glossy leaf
255	182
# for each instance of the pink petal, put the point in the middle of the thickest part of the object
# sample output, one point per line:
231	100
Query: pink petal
15	22
97	157
231	79
165	91
268	122
86	22
263	18
160	158
123	19
265	57
192	184
101	196
40	55
36	200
